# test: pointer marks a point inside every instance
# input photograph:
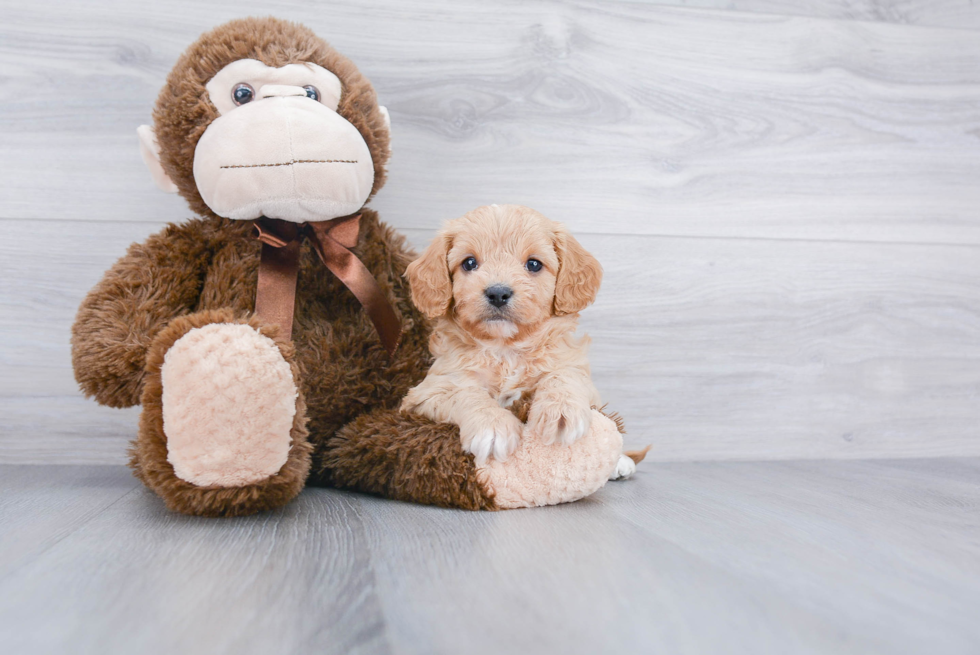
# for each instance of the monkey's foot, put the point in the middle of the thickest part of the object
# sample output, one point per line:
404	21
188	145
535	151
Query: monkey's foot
409	457
228	404
222	431
549	474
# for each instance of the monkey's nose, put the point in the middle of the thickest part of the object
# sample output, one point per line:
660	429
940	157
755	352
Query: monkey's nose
280	91
498	294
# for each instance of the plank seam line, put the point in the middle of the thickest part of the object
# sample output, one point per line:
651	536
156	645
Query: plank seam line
78	527
706	237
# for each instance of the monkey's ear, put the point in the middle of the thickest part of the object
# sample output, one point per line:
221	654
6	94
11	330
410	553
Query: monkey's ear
150	150
579	274
384	113
428	277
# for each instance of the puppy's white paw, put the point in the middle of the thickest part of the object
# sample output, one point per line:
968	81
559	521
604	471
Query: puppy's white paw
625	467
497	435
557	419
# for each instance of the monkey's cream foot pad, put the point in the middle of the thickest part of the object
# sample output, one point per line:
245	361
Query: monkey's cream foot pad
549	474
229	399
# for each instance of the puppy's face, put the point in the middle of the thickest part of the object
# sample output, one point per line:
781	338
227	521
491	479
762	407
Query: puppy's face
503	267
501	271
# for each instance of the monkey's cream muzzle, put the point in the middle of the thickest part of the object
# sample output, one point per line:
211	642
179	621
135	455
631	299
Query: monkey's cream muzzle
276	153
283	156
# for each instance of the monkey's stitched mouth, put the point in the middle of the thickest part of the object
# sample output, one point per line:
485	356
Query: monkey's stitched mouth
294	161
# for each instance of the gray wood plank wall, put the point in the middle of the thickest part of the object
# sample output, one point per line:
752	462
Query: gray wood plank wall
784	194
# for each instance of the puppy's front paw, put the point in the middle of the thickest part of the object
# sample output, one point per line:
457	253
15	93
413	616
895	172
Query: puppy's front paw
559	419
497	434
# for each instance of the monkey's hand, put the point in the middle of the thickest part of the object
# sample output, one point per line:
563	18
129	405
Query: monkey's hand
152	284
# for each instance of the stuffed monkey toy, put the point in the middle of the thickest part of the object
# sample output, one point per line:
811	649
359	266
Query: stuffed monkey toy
270	341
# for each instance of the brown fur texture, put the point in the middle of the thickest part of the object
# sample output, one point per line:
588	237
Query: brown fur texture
405	457
154	283
342	369
205	270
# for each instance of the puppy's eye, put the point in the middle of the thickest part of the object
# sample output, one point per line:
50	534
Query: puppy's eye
242	93
533	265
469	264
312	92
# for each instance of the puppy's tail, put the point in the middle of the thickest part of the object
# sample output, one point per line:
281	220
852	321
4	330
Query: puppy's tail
637	455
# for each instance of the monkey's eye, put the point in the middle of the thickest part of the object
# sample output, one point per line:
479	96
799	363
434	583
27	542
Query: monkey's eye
312	93
469	264
533	265
242	93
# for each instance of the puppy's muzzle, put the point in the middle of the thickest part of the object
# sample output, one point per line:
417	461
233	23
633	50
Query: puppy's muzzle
498	295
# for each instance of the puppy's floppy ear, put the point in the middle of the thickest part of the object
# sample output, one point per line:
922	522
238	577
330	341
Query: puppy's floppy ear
579	274
428	277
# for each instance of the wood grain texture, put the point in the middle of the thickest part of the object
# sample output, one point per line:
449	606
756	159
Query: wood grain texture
959	14
136	578
641	118
43	505
789	349
710	348
769	557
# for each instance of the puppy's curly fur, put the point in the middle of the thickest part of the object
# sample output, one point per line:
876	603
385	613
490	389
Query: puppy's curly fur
504	286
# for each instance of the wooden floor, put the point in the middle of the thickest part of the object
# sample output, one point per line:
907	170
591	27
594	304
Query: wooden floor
724	557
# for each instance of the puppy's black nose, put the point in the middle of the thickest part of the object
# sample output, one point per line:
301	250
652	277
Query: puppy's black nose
498	294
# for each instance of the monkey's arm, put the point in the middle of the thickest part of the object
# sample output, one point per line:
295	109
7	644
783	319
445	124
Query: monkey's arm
152	284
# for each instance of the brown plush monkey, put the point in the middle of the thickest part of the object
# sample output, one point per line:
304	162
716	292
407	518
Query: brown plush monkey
263	125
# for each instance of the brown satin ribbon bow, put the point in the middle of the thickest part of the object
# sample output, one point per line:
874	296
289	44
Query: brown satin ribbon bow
275	298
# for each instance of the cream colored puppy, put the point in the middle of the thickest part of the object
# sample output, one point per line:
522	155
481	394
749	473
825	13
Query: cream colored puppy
504	285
